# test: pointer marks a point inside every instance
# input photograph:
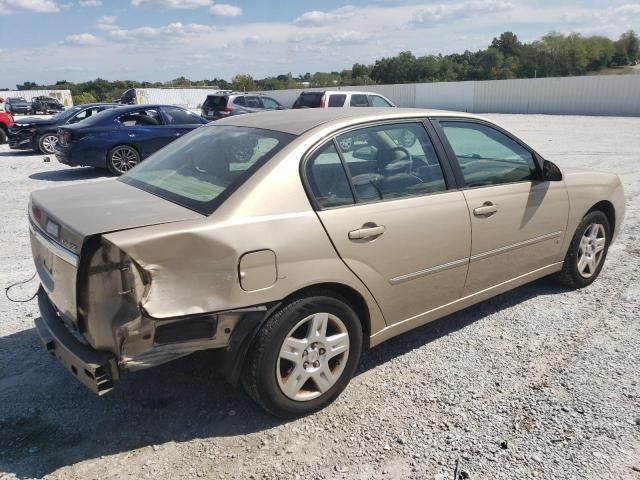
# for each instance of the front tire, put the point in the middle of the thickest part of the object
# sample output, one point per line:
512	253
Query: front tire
121	159
3	136
304	356
47	143
587	251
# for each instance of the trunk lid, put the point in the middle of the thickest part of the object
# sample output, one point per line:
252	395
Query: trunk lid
62	219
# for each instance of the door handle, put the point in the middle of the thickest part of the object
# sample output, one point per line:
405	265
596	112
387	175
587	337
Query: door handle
132	135
178	134
487	209
367	232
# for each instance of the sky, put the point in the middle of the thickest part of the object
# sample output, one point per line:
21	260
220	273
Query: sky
44	41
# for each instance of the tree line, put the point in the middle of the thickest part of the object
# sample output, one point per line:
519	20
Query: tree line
553	55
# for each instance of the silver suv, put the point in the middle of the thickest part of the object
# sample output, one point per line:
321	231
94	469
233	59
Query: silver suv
224	104
341	99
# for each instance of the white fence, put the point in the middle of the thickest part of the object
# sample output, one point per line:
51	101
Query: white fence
64	96
607	95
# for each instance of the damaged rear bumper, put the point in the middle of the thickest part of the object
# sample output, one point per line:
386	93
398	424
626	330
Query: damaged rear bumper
94	369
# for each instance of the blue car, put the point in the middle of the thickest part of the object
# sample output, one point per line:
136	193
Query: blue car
120	138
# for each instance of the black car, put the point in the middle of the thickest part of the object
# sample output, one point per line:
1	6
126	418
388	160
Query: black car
224	104
17	105
40	133
45	105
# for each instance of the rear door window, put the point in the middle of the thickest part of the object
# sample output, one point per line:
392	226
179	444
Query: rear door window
178	116
358	100
141	118
239	101
391	161
337	100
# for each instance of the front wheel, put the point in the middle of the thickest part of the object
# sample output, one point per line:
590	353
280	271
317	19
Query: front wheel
3	136
122	158
304	356
587	251
47	143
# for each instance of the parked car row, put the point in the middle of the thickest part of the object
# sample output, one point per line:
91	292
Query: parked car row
41	104
118	137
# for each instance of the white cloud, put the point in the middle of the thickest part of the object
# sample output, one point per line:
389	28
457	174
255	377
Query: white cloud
316	17
174	4
80	39
90	3
451	12
10	7
166	32
225	10
107	22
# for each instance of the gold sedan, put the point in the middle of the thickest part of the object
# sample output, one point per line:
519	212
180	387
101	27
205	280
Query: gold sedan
291	241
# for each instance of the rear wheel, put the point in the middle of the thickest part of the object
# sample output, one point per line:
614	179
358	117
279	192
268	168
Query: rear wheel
587	251
122	158
47	143
304	356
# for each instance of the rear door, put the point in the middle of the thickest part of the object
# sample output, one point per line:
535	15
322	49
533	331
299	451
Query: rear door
180	121
518	220
393	216
145	130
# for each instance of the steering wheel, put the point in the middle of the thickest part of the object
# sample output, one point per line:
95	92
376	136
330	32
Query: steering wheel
404	165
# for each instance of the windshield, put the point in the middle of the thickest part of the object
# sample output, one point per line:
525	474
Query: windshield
66	113
203	168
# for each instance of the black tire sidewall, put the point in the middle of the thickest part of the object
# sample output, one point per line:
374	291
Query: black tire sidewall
3	136
267	388
570	266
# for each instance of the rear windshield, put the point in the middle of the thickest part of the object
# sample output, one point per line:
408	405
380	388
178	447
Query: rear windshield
308	100
215	102
201	169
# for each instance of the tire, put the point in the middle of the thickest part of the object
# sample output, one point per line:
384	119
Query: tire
3	136
47	143
587	251
307	376
122	158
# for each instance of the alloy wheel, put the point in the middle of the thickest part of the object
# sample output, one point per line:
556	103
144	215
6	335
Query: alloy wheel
312	357
124	159
48	143
591	249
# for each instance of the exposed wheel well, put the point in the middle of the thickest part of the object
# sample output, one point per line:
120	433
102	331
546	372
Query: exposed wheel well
354	299
607	208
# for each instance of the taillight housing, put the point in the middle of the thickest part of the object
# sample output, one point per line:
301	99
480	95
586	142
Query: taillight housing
65	137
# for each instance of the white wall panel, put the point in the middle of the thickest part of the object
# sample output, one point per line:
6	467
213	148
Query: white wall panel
612	95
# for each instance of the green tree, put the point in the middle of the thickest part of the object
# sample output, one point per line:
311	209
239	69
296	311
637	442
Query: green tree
84	97
243	83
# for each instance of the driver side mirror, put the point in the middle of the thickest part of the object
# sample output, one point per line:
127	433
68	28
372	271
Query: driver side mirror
551	172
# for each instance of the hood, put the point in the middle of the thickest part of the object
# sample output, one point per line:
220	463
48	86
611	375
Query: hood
34	121
81	211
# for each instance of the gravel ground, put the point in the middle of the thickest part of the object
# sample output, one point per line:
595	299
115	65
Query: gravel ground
541	382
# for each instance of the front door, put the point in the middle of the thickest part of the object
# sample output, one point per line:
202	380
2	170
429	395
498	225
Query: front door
517	220
383	199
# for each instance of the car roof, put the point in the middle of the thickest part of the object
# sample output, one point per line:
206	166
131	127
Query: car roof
332	92
299	121
138	106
